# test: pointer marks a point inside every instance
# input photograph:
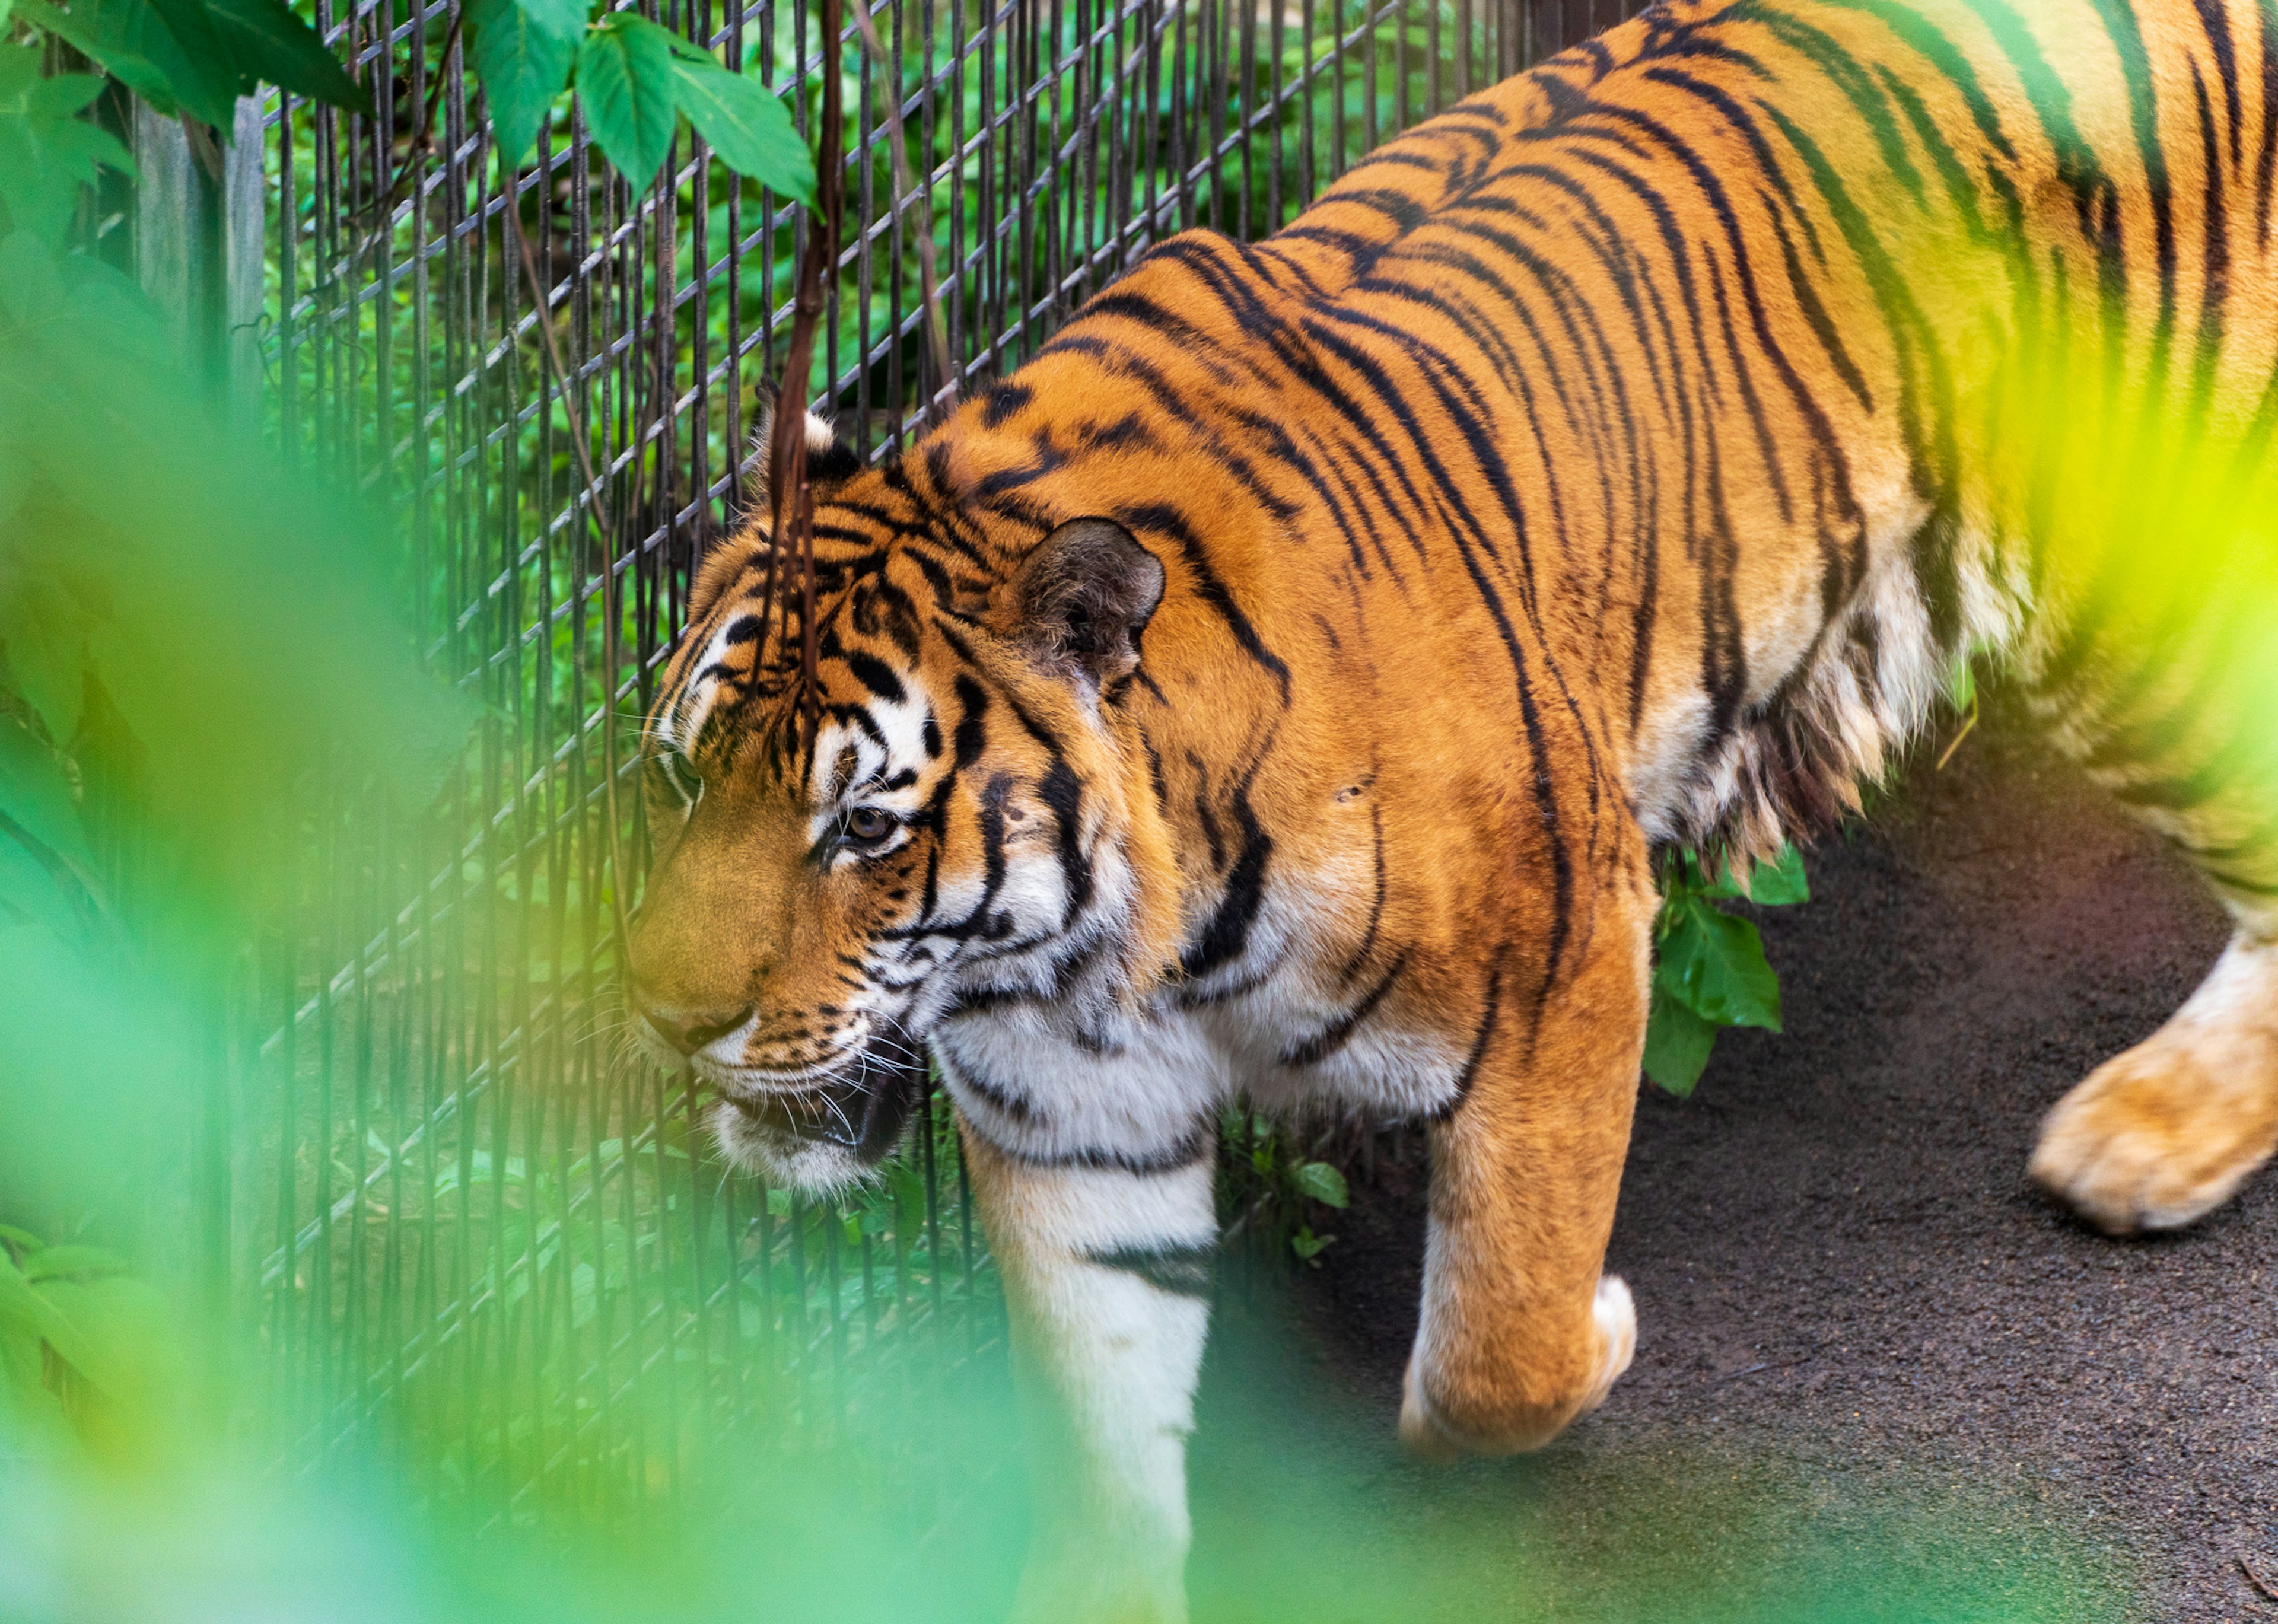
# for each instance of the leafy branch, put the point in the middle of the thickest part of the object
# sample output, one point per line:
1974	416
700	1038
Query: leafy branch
1710	970
633	80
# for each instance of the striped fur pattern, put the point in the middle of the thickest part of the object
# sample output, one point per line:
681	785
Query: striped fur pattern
1281	683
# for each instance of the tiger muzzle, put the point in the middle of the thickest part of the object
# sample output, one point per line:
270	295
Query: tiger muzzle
861	1115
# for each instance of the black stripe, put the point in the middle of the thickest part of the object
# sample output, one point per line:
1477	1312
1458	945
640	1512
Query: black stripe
876	675
1186	1152
1182	1271
1312	1051
1163	519
1226	935
1481	1038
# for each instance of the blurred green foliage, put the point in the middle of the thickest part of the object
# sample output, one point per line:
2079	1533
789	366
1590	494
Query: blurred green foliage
179	642
187	635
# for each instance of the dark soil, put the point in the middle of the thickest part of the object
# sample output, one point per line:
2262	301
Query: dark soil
1872	1361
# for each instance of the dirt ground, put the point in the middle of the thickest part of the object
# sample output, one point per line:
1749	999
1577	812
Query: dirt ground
1872	1361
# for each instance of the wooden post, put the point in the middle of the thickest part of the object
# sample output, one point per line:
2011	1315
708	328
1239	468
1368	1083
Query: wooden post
200	212
199	218
244	214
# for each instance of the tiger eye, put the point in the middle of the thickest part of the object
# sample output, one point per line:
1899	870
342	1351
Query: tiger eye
867	823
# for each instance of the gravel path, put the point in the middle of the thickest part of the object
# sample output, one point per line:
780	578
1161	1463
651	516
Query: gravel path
1876	1375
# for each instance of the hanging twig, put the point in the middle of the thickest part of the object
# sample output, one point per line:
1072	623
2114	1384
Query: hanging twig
906	188
423	138
790	495
618	877
423	142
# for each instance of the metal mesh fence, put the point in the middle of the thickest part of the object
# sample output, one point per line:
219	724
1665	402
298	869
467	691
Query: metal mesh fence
462	1219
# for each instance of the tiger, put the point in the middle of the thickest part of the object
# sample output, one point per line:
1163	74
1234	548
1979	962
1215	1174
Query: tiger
1285	683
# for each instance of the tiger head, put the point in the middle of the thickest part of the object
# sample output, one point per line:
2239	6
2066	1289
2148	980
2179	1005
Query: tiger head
958	824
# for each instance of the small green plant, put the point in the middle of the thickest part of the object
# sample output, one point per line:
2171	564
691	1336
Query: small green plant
1269	1184
1710	970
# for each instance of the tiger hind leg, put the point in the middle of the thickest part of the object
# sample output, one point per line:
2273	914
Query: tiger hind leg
2163	692
2165	1132
2173	720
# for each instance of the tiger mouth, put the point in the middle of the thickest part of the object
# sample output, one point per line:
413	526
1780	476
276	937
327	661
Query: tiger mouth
863	1115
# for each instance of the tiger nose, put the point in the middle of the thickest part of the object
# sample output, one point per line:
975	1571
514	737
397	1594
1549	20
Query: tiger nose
689	1032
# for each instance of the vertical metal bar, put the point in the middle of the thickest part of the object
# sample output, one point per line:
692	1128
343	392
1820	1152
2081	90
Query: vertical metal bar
897	394
1276	46
1247	79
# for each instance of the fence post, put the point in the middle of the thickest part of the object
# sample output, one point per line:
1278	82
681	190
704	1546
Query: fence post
198	223
173	229
244	195
198	255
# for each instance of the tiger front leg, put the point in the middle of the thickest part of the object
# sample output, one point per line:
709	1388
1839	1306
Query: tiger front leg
1521	1332
2162	1135
1106	1275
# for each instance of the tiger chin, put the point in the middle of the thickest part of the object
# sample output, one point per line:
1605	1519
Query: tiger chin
1281	686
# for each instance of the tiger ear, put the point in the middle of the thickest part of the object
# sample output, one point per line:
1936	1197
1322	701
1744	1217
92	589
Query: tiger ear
829	459
1082	598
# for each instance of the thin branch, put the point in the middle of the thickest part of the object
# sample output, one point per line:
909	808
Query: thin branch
602	532
791	496
422	141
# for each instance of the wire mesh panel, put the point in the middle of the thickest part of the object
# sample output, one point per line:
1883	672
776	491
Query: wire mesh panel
470	1221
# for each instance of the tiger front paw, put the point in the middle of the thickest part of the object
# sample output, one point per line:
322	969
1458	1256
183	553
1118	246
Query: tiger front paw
1442	1424
2161	1135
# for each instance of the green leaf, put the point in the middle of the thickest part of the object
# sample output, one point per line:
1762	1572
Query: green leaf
626	84
60	96
750	129
267	42
1713	963
203	72
78	30
564	19
1961	682
1309	1246
522	65
129	38
62	1262
33	893
27	1309
1779	883
47	154
37	800
1678	1044
909	1195
1317	1181
119	1328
